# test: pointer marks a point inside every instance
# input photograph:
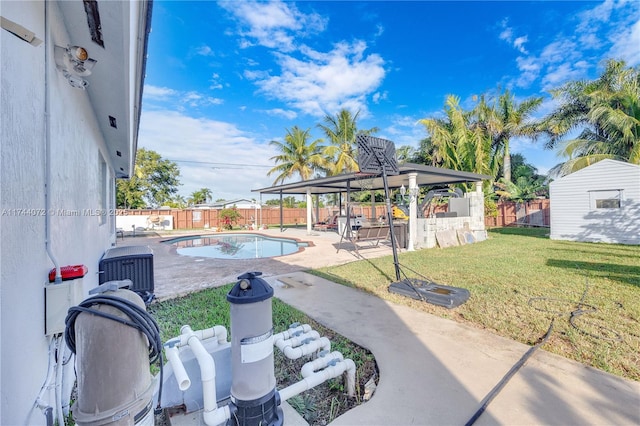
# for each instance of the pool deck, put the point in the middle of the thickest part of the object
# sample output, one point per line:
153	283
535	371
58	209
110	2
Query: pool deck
179	275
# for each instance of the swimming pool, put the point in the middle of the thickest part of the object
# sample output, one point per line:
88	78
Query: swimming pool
235	246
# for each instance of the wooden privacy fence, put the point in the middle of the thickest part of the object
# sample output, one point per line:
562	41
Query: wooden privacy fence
534	213
531	213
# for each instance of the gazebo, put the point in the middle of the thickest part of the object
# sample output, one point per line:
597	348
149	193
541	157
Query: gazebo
411	176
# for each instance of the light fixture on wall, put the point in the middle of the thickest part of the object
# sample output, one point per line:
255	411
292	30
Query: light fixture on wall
413	192
75	63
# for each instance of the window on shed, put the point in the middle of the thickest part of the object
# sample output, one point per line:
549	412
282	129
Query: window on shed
608	199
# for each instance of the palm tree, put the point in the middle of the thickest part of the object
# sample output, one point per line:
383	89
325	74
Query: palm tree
341	131
297	156
405	153
607	113
454	143
504	120
200	196
513	120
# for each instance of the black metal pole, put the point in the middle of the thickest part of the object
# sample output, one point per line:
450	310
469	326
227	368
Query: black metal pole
390	220
348	202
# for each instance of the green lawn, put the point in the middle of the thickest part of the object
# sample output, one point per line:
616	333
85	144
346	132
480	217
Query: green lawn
519	279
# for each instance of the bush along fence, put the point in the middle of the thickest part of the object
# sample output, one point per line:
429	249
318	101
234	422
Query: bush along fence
532	213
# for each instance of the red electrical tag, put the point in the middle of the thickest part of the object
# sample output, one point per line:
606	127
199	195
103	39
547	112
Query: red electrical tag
70	272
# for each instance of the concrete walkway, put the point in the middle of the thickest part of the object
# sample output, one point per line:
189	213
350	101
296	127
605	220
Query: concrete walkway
432	370
435	371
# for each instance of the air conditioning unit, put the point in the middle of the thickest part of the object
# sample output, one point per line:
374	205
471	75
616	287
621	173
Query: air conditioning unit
130	262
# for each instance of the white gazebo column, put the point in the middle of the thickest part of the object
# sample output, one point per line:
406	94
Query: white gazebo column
309	207
413	210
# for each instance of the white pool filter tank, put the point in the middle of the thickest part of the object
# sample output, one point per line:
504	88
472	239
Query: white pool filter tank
253	382
114	383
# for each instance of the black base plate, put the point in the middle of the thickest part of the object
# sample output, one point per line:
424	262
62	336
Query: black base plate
441	295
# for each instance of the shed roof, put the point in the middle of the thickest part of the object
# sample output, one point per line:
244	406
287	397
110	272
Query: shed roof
426	175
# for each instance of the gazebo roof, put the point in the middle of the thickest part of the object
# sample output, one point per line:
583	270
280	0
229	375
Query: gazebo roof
426	175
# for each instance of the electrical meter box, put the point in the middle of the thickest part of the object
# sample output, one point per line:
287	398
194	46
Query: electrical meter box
58	298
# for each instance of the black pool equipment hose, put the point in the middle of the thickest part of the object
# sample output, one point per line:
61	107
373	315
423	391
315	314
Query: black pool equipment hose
139	319
517	366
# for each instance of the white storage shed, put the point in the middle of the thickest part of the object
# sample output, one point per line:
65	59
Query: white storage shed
600	203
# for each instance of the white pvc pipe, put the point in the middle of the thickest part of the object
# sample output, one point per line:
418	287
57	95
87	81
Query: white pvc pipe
351	377
173	355
305	328
315	379
58	390
212	415
218	331
297	340
320	344
319	363
68	381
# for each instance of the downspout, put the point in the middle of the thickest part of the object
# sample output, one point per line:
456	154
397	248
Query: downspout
47	147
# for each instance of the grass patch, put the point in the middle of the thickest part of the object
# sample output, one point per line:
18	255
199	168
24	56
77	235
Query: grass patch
319	405
517	279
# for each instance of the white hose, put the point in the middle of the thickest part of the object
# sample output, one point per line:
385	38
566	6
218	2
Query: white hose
46	386
173	355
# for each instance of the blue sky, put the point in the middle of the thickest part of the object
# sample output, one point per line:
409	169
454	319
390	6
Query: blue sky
225	78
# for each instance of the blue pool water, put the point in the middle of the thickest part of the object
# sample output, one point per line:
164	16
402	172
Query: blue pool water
235	246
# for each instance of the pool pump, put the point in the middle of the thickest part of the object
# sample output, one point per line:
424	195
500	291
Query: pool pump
253	384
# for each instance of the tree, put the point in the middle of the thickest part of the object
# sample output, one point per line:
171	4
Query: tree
129	193
454	143
229	216
605	111
341	131
201	196
154	182
405	153
297	156
508	119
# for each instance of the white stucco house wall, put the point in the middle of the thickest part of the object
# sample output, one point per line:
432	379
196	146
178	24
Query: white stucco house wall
62	147
600	203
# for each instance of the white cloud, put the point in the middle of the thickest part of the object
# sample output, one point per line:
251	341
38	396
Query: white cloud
576	51
191	98
507	34
556	75
324	83
519	42
215	83
379	96
208	141
279	112
204	50
626	45
530	70
273	24
158	93
405	130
